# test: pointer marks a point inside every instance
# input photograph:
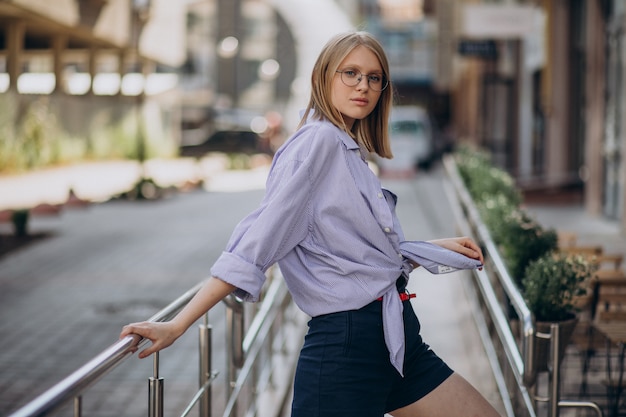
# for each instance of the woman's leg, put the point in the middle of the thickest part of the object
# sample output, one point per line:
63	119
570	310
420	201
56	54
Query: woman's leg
454	397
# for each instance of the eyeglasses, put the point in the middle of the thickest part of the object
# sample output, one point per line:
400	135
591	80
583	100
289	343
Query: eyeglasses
352	78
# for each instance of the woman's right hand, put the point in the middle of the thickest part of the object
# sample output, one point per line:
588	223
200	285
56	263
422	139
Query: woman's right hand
164	334
161	335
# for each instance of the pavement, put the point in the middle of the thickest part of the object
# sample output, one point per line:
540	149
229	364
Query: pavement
590	230
102	262
49	311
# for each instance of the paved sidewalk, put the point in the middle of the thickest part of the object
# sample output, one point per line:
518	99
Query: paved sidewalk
64	298
99	181
590	230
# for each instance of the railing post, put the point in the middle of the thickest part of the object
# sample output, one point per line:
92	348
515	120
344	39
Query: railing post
155	391
205	365
555	379
555	370
234	340
78	406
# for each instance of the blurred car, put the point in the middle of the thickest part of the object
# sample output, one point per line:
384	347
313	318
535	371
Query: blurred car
228	141
412	140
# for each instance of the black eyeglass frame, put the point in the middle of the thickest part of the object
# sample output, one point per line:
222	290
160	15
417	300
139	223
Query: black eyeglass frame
360	77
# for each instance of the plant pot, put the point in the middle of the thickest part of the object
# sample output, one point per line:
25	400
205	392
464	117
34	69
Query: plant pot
19	218
542	346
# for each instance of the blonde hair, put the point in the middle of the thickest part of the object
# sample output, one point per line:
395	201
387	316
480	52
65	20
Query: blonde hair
371	132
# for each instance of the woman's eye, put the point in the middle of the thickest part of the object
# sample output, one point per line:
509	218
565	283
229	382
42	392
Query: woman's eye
350	73
375	78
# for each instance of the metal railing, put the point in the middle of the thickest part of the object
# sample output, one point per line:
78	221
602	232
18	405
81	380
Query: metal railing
251	355
509	339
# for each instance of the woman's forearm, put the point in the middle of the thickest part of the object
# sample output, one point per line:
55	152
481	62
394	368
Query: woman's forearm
212	292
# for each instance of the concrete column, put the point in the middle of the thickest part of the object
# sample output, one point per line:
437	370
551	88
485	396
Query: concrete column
622	139
228	24
15	46
525	117
466	103
121	68
59	44
92	67
595	107
556	100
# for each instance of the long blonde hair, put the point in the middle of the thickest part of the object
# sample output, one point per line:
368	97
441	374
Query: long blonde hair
371	132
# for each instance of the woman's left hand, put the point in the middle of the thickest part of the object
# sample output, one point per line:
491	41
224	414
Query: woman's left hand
463	245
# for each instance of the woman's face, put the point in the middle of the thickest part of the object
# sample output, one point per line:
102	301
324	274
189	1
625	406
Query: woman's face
356	102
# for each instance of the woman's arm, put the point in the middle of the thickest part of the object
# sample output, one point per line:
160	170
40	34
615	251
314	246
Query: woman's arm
164	334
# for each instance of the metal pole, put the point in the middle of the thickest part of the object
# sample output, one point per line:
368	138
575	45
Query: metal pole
554	368
234	340
78	406
205	366
230	352
155	405
235	324
582	404
155	391
616	389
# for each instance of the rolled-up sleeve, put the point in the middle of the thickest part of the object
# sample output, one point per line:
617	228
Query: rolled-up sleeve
279	224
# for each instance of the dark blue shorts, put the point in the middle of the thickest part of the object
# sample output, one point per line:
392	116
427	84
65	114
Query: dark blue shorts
344	368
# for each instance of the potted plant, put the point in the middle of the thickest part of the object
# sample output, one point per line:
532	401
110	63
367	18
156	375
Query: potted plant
19	218
551	287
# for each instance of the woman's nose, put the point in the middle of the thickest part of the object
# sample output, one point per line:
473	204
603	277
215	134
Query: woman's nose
360	84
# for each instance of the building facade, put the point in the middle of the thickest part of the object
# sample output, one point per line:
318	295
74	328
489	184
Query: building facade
539	84
88	79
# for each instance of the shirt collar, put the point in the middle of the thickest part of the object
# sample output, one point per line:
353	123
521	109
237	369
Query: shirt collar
345	138
351	144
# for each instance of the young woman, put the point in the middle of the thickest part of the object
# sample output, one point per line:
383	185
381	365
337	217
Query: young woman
332	228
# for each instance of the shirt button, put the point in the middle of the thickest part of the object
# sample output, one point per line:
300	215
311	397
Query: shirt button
387	230
380	195
400	255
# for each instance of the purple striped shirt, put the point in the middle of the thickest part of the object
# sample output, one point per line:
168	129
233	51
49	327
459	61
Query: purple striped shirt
332	229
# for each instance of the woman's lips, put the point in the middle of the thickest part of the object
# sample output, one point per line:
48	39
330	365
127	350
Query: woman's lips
361	101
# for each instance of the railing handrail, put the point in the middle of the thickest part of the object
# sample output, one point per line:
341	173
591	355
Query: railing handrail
74	384
520	360
521	363
258	332
243	354
525	367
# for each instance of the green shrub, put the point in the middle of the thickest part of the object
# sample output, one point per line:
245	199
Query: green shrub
518	236
552	283
33	134
39	129
482	179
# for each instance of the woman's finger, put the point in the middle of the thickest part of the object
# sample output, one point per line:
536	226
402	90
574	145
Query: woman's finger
133	328
153	348
472	248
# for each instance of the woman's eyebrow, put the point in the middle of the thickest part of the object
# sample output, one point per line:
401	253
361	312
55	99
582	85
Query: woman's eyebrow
359	68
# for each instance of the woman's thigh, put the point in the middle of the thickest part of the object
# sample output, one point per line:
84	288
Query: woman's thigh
454	397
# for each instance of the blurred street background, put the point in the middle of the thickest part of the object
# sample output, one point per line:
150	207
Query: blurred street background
134	135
